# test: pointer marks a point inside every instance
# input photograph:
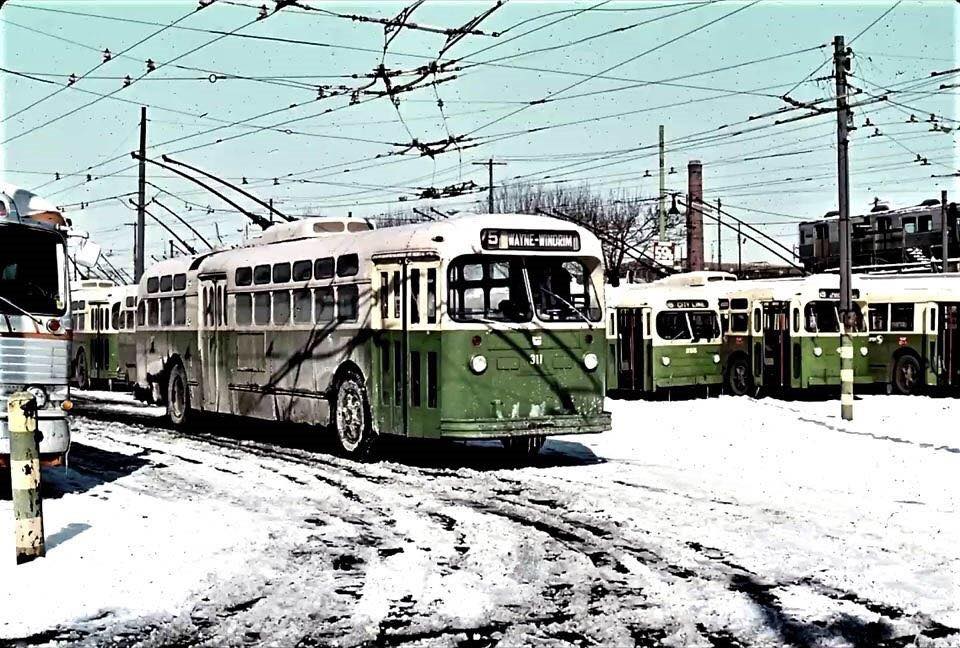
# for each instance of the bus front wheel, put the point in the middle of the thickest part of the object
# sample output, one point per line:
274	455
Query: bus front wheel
178	396
354	432
739	379
906	375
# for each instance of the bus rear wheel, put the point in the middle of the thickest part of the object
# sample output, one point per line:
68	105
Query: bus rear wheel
739	380
178	396
906	375
80	373
351	420
523	447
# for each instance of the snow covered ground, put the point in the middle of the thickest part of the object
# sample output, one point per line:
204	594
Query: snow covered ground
721	522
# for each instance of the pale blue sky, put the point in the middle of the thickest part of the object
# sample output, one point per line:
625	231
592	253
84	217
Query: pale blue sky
914	40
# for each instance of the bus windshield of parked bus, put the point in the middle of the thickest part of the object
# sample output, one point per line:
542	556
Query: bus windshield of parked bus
491	288
31	268
688	325
823	317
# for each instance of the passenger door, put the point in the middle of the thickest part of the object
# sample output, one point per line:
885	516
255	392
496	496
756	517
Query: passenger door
211	341
948	334
776	345
630	349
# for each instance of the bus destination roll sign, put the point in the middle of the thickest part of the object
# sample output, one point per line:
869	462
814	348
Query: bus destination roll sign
507	239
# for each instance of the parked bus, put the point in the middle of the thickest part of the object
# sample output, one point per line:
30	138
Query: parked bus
35	304
792	336
914	335
104	349
662	336
475	327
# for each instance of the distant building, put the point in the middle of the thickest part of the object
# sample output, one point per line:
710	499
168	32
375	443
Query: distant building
906	238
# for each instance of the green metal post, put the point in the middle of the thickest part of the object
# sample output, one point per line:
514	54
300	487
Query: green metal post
25	476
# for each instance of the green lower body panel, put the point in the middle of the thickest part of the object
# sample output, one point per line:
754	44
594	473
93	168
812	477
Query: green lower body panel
500	428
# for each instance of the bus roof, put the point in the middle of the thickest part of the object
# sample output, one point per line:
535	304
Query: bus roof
455	236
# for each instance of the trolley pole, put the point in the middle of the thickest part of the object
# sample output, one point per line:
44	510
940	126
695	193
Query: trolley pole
739	252
663	191
841	63
944	231
25	476
138	251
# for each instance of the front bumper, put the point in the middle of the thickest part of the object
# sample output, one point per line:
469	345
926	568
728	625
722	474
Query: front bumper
54	431
492	428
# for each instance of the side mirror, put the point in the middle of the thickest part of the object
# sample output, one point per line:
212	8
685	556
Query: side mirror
87	254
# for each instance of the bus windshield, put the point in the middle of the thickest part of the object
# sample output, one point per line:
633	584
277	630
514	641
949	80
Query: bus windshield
561	290
31	264
491	288
695	326
823	317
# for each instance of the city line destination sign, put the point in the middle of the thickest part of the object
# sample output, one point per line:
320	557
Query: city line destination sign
506	239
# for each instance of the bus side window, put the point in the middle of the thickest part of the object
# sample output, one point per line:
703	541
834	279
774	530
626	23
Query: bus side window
415	296
879	317
347	299
901	317
243	302
180	311
796	320
153	312
324	304
396	294
302	306
141	314
261	308
166	311
384	295
281	306
432	295
347	265
757	320
933	319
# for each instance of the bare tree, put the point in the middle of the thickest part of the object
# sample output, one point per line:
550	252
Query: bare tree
626	223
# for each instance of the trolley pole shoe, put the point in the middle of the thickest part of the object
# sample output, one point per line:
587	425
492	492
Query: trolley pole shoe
25	476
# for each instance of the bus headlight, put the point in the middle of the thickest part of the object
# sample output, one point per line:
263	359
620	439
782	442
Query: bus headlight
478	364
40	394
817	351
716	358
590	361
665	360
863	351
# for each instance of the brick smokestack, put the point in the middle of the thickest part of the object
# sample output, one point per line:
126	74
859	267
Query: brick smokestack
694	216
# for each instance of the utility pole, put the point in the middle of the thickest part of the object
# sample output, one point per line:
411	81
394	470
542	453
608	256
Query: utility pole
739	253
490	164
719	238
944	230
841	64
141	200
663	191
172	254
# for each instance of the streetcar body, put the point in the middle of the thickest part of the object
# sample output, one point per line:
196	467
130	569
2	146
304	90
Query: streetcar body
476	327
37	327
104	349
662	336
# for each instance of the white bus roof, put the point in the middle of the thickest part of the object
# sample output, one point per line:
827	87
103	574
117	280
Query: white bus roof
447	238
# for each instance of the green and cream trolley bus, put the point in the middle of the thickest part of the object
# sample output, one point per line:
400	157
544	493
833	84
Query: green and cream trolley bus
914	332
475	327
104	350
662	336
784	335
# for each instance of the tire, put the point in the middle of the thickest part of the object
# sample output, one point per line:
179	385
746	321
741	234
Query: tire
520	448
178	396
81	375
352	427
907	375
739	380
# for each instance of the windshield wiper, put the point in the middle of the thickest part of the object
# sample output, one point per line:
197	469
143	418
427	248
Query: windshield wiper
27	313
568	304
